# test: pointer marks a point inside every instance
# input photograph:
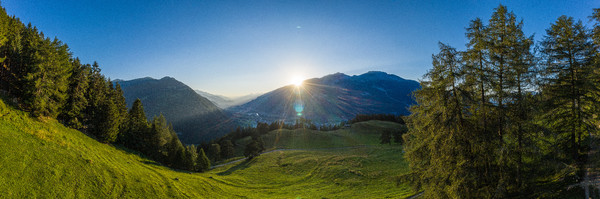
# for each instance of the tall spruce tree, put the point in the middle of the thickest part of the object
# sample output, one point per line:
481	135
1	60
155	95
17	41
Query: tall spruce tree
72	113
43	85
102	113
119	100
136	127
191	158
159	136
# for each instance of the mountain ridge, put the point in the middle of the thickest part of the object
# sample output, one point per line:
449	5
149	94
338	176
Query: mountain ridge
332	99
195	118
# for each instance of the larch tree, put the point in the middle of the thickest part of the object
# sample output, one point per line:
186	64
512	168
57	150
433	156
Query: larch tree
438	144
570	85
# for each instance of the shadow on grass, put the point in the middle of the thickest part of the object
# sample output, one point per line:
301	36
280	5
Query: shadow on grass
242	165
153	163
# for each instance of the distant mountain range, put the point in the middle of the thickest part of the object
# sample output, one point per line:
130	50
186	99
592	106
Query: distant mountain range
194	117
332	99
226	102
197	115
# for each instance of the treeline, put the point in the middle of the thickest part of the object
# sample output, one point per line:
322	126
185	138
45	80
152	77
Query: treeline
223	148
44	79
506	118
381	117
158	140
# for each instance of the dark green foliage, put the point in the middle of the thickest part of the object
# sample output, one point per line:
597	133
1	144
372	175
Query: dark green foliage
136	127
175	152
119	100
190	159
107	128
570	86
103	116
262	128
46	71
160	134
45	80
439	141
214	152
73	110
203	163
254	148
479	129
226	149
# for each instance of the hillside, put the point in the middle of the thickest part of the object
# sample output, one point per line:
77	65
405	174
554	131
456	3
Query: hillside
194	117
332	99
41	158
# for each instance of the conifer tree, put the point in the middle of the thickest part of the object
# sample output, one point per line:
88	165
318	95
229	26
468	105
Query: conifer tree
175	152
191	158
477	70
136	127
227	149
203	163
569	83
102	113
154	142
438	144
119	100
510	62
107	130
45	80
254	148
72	113
215	152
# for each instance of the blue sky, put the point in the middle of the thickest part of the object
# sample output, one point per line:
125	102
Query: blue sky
240	47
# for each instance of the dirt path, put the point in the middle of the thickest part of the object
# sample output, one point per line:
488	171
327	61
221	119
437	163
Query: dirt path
276	150
591	181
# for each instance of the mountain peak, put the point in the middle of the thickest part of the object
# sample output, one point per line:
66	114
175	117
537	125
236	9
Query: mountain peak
168	78
333	98
380	75
332	78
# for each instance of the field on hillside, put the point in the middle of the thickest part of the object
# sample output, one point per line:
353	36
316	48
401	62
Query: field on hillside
41	158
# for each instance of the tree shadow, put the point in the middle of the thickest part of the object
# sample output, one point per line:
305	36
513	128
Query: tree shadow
152	163
242	165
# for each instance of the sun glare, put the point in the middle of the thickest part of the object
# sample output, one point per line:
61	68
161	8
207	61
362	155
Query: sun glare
297	81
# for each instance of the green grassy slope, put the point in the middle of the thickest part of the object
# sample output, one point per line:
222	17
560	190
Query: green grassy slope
41	158
360	134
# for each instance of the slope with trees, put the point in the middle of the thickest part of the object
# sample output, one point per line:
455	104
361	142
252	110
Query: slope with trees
41	76
503	120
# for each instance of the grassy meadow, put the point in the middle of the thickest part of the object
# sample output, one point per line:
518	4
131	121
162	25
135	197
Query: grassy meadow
41	158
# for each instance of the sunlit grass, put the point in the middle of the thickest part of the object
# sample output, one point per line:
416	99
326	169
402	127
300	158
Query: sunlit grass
41	158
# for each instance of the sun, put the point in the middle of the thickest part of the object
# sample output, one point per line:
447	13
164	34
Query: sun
297	81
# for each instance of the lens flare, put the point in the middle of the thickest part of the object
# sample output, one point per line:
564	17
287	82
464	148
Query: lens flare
297	81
